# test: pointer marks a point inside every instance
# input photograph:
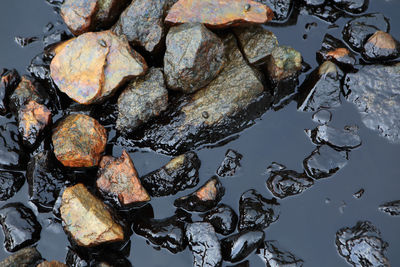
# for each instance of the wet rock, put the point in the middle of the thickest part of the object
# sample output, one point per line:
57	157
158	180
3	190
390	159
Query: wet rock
335	50
345	139
325	161
322	116
93	66
9	81
204	198
238	246
392	208
256	212
230	163
223	218
143	99
315	2
39	66
180	173
352	6
326	12
55	37
362	245
274	256
381	46
20	226
87	219
204	245
242	264
75	260
227	14
79	141
281	8
193	58
10	183
12	155
321	89
26	257
24	41
119	180
359	29
33	118
51	264
359	193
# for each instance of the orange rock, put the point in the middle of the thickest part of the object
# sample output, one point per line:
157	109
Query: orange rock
338	53
79	141
219	13
79	15
51	264
118	177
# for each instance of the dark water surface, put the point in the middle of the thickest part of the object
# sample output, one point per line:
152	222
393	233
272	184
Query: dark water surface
308	221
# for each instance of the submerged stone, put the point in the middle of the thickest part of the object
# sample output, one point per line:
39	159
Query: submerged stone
381	46
223	218
273	255
238	246
26	257
230	163
352	6
193	58
8	82
79	141
335	50
12	155
392	208
10	183
322	116
87	219
345	139
281	8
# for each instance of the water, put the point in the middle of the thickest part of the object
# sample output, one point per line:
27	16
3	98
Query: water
308	221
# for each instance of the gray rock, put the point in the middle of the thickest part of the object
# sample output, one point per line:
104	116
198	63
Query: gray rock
27	257
274	256
339	139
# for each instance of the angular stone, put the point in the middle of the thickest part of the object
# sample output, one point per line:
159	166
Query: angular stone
335	50
230	163
322	116
223	218
51	264
392	208
238	246
204	198
87	219
79	15
204	244
119	180
8	82
10	183
79	141
180	173
109	11
193	58
345	139
381	46
24	257
12	155
326	12
273	255
93	66
20	226
256	212
281	8
144	98
352	6
219	14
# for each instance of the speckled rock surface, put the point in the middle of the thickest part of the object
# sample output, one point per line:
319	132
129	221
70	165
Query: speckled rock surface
27	257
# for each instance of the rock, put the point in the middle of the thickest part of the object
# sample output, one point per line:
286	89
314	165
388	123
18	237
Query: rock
335	50
39	66
33	118
204	245
256	212
93	66
180	173
315	2
54	38
242	264
75	260
345	139
230	163
204	198
51	264
26	257
119	181
8	82
325	161
381	46
359	193
79	141
392	208
359	29
12	155
256	42
87	219
362	245
193	58
144	98
226	14
375	91
238	246
321	89
352	6
223	218
10	183
322	116
282	8
20	226
326	12
273	255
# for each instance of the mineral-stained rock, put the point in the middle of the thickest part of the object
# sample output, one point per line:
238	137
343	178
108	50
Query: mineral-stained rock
119	180
79	141
321	89
143	99
392	208
204	245
325	161
204	198
26	257
359	29
381	46
352	6
362	245
9	81
20	226
219	14
238	246
93	66
335	50
87	218
180	173
12	155
230	163
281	8
273	255
256	212
340	139
375	91
51	264
193	58
10	183
326	12
322	116
74	259
223	218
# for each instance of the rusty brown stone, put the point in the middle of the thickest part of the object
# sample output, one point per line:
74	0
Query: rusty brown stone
118	178
93	66
79	141
51	264
32	119
87	219
381	46
219	13
79	15
338	53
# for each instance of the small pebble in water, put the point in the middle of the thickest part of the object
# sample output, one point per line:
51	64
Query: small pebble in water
322	116
359	193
